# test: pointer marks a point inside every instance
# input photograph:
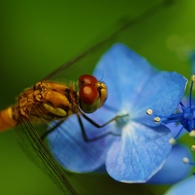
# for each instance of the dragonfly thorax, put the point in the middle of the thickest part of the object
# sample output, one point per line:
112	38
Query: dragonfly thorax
48	100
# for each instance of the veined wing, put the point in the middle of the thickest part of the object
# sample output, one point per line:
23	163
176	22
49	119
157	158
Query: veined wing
31	143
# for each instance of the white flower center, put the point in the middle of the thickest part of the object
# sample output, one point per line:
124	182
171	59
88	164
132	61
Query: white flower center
123	117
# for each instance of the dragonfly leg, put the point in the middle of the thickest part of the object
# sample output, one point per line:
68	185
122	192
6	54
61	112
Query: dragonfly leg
86	139
43	136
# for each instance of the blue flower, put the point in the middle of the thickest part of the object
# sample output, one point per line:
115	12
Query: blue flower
142	146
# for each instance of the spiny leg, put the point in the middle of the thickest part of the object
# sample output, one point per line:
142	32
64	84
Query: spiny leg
86	139
51	129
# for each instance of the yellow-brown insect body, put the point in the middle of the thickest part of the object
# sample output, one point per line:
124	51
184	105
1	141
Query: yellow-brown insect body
101	87
44	101
56	100
6	119
47	101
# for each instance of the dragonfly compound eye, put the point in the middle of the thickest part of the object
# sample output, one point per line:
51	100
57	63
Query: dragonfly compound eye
102	89
89	98
87	79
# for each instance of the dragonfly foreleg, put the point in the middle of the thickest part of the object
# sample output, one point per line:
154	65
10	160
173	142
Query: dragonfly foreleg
85	137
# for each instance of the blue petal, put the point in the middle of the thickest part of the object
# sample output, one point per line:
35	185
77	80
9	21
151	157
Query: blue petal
125	74
176	128
174	169
139	154
133	85
182	188
162	94
72	152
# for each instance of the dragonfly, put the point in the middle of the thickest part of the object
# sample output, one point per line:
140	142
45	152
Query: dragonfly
48	100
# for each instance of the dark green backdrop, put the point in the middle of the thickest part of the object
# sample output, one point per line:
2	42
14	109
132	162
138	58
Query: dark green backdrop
38	36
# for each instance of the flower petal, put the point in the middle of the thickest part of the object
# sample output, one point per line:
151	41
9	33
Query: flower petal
72	152
139	154
125	74
133	85
176	128
174	168
184	187
162	94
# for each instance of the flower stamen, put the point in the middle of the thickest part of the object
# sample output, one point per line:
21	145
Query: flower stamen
149	111
193	78
192	134
157	119
187	161
193	147
172	141
179	133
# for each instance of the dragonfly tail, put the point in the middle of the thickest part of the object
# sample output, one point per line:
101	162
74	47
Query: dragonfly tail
6	119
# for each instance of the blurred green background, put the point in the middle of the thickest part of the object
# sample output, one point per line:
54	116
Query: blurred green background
36	37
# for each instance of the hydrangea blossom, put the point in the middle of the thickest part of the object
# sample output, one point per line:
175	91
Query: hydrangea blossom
140	146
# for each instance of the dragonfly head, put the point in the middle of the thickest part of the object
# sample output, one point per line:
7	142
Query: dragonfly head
92	93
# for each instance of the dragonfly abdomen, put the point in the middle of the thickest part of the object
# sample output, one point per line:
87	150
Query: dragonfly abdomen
7	120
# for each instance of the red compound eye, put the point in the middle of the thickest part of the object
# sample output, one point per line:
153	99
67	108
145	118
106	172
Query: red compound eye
87	79
89	98
88	94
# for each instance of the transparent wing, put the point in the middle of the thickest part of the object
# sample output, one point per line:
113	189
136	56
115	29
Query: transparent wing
31	143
